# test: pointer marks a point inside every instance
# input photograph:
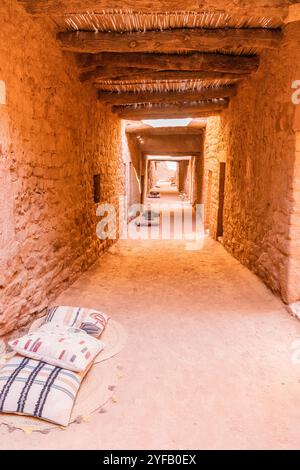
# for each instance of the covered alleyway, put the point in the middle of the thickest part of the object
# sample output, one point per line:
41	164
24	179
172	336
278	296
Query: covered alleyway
207	363
91	99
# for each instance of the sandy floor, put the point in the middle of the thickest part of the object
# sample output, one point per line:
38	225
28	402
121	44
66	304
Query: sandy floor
167	193
208	360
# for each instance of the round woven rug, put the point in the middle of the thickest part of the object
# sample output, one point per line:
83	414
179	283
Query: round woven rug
97	388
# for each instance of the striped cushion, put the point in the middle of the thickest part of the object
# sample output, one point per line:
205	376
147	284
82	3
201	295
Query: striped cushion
38	389
91	321
59	345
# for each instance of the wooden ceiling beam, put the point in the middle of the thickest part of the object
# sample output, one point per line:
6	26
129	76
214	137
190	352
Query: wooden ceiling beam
112	73
188	62
166	97
164	158
144	130
171	152
107	74
179	110
260	8
170	41
169	115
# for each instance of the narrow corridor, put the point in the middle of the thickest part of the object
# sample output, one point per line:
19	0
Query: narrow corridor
208	360
150	170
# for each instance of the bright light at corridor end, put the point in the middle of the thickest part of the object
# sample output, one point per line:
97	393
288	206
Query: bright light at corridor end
168	122
172	166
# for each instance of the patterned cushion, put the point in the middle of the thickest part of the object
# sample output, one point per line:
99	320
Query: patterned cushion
59	345
91	321
38	389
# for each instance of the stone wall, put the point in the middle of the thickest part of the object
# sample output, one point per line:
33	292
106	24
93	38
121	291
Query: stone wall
132	154
197	179
54	137
184	176
215	152
152	175
256	138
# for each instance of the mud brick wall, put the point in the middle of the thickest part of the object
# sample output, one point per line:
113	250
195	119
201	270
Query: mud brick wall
54	137
257	138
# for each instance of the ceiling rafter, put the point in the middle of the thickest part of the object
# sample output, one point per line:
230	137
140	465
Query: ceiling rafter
170	41
170	97
185	62
241	8
178	110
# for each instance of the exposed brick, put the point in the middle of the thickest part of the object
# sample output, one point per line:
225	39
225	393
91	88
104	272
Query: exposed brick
54	138
256	137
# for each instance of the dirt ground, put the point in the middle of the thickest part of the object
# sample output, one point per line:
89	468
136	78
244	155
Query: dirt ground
208	359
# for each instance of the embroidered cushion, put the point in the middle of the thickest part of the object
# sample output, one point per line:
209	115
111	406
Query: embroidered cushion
91	321
59	345
38	389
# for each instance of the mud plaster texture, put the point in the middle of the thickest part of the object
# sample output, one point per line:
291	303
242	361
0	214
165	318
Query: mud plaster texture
258	138
54	138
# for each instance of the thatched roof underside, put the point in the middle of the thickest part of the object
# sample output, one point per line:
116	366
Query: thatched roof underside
160	85
128	21
140	22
